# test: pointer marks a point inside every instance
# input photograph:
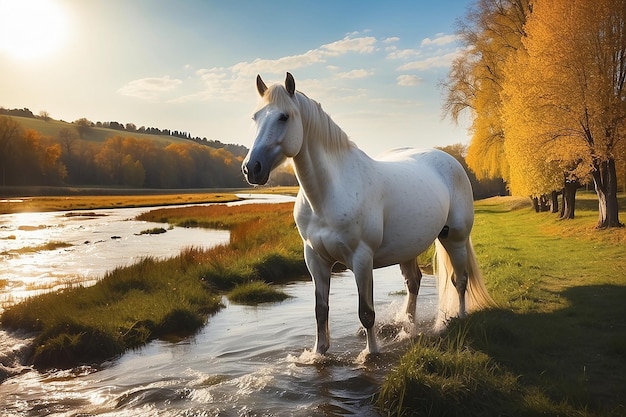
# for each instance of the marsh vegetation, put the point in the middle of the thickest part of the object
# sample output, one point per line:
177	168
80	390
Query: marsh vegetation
132	305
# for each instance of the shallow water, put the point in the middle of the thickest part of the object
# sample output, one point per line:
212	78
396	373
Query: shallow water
99	242
247	361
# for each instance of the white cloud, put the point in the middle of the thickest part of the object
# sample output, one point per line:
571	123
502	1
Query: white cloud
438	61
392	39
363	45
440	39
354	74
149	88
402	53
233	82
408	80
280	65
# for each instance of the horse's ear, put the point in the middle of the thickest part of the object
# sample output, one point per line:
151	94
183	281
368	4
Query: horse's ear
290	84
260	86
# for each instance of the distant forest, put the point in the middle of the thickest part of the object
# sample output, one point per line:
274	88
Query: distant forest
84	153
125	157
83	123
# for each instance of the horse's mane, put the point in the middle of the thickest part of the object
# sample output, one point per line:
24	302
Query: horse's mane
315	121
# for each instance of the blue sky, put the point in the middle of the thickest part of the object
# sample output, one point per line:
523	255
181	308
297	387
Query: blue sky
191	65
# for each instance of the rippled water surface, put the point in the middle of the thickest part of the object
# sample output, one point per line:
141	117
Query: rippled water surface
247	361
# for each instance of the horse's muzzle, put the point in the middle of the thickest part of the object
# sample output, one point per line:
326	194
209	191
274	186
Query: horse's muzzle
254	172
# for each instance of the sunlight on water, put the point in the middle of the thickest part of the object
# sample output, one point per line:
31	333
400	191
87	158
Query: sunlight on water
96	242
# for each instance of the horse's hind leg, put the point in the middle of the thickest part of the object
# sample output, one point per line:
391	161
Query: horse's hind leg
457	251
412	279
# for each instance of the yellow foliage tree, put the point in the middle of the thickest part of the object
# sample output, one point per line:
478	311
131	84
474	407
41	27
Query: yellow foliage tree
565	98
491	33
537	166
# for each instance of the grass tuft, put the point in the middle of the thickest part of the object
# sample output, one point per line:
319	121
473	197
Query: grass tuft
32	249
153	231
256	292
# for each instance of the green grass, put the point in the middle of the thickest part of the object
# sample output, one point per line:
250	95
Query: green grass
131	305
255	292
556	345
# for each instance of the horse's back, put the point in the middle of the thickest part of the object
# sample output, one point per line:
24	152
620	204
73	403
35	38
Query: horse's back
431	180
432	163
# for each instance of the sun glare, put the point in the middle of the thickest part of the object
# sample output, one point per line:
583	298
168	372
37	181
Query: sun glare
31	29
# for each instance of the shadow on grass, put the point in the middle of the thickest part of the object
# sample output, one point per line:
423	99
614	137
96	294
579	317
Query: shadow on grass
570	362
576	354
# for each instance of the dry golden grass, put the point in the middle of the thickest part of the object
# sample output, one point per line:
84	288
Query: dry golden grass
91	202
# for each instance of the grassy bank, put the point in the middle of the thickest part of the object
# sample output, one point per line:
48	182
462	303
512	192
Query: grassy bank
151	299
557	343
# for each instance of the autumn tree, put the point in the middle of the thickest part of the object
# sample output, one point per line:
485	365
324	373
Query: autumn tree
486	187
537	166
566	98
45	116
10	131
109	160
133	173
36	160
490	33
83	127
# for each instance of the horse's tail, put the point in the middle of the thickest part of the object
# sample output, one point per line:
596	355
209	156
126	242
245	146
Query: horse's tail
476	295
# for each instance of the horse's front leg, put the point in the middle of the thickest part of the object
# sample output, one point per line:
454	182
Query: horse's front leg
412	279
320	271
363	273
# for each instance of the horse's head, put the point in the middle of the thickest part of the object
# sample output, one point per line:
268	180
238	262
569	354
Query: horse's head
279	131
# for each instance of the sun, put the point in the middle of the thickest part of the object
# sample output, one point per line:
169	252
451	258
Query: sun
31	29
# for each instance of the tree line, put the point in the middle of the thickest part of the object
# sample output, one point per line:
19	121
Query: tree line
72	157
84	125
29	158
544	82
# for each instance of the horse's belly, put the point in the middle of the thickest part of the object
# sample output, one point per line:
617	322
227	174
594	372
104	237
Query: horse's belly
397	249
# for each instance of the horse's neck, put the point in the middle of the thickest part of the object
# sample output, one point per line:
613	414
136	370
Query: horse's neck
314	173
320	161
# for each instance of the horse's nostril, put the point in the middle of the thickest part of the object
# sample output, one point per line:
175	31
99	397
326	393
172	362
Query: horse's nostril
257	168
244	169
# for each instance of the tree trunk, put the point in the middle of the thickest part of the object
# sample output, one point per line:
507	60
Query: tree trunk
554	202
540	204
605	180
569	199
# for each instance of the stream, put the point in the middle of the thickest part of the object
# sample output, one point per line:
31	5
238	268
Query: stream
247	361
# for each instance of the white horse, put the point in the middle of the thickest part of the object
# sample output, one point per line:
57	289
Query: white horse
368	213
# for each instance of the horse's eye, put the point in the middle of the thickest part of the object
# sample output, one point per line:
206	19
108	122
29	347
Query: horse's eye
283	117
